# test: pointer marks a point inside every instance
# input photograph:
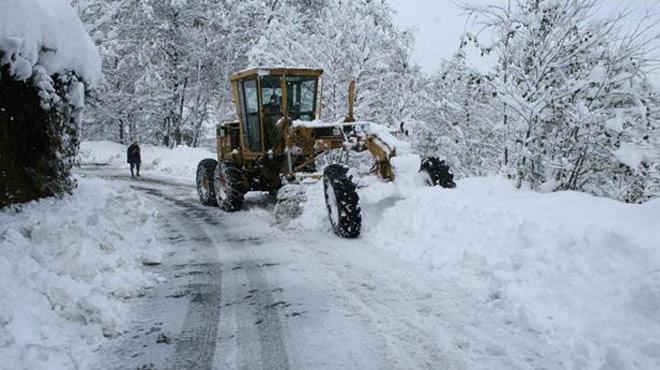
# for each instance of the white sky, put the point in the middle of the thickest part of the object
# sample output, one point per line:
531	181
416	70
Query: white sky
438	25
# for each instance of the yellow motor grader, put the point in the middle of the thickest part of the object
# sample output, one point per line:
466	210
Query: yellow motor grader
278	137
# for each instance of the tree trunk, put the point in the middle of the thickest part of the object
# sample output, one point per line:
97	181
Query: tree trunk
122	137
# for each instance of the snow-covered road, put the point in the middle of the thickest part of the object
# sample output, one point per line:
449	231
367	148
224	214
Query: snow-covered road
126	274
243	294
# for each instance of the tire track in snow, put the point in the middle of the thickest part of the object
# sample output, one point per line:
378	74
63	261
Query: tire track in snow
259	306
196	343
261	345
273	353
174	324
258	314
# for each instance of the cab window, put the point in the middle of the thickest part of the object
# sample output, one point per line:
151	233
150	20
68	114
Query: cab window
250	109
301	93
271	98
271	94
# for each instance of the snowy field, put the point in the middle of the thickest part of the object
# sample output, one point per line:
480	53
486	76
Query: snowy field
581	273
496	277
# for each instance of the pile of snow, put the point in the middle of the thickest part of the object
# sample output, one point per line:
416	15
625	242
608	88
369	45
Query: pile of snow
384	134
65	268
579	275
180	162
633	155
380	132
47	34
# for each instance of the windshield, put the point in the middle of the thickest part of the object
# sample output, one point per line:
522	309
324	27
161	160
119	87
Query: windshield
301	96
271	95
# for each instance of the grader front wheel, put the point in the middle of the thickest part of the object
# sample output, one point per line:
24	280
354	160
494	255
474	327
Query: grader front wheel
342	201
437	173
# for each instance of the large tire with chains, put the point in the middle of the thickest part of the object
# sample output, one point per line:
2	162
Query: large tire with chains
229	181
205	183
342	201
438	173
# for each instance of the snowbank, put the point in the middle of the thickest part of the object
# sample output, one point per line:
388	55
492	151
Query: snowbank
179	162
579	274
47	33
65	266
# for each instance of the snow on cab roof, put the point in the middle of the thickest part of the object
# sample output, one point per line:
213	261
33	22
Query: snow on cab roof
47	33
280	70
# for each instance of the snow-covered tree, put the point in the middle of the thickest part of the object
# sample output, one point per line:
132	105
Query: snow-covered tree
455	118
349	40
167	64
43	78
117	27
573	93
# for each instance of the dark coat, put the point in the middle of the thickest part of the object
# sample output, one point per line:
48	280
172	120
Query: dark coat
133	154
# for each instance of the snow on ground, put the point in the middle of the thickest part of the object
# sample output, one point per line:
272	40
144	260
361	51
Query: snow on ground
65	267
564	280
180	162
578	273
49	34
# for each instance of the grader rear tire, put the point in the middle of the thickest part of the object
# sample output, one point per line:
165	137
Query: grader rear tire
229	186
205	186
342	201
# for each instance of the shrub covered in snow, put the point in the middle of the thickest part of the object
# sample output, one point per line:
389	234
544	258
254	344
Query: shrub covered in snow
48	34
46	62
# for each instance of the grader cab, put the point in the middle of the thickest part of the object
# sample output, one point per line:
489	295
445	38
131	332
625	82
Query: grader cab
278	138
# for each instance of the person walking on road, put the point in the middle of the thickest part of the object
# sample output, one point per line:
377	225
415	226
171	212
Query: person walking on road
133	158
